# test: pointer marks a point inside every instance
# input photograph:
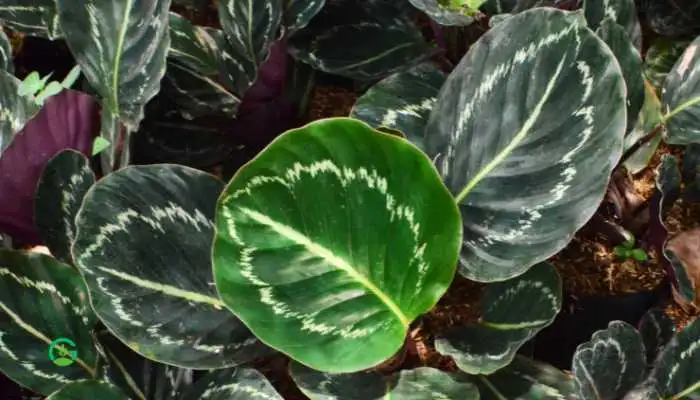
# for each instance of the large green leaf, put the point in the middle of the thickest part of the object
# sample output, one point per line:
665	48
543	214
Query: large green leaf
525	133
6	53
324	245
681	98
512	312
416	384
42	300
660	58
402	101
631	65
611	363
676	372
143	245
31	17
193	46
622	12
59	193
88	389
232	384
526	379
361	40
16	110
121	47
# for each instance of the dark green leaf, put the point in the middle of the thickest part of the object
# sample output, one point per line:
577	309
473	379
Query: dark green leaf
121	47
317	283
512	312
402	101
38	18
88	389
16	110
59	193
611	363
143	245
530	171
630	60
622	12
6	53
416	384
298	13
361	40
656	329
681	98
660	58
676	373
192	79
526	379
232	384
683	253
42	300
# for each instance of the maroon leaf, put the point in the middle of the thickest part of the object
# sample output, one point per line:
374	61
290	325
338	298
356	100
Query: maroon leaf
68	120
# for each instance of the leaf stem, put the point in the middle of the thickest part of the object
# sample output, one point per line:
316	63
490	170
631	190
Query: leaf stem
641	142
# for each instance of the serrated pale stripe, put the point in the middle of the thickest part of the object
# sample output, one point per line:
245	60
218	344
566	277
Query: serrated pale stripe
338	262
237	388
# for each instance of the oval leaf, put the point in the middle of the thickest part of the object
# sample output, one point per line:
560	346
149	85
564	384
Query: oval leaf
88	389
298	13
526	379
361	40
143	244
529	172
68	120
121	47
416	384
62	186
681	98
42	300
316	282
402	101
676	372
512	312
611	363
232	384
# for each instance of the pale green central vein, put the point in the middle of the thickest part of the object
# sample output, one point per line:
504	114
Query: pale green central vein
328	256
118	55
519	326
492	388
34	332
680	109
374	58
253	56
165	289
517	139
688	391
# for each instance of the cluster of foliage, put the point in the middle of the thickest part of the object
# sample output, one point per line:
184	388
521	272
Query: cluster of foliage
331	242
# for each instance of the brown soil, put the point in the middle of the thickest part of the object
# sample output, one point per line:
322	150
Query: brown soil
328	101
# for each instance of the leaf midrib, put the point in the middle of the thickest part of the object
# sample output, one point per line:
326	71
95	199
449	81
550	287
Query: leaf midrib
118	55
328	256
517	139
